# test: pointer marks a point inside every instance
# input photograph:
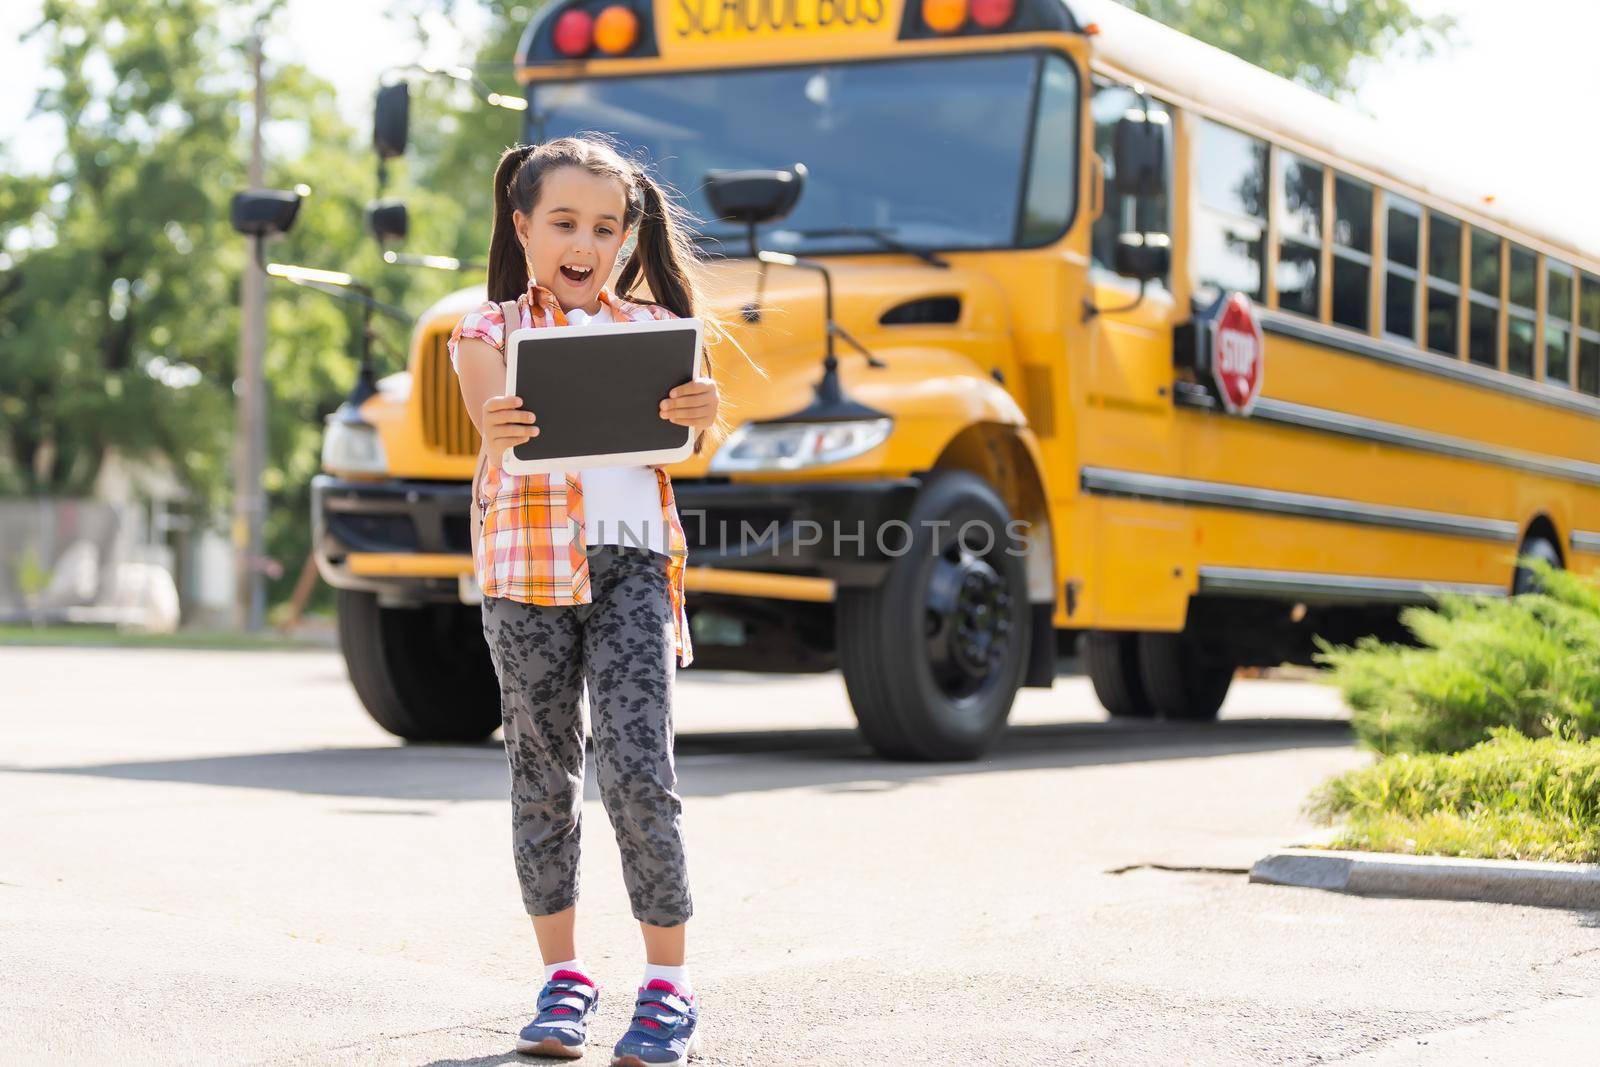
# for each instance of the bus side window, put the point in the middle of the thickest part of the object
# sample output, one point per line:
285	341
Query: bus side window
1483	309
1299	208
1122	214
1352	252
1402	267
1558	324
1444	285
1589	335
1229	221
1521	328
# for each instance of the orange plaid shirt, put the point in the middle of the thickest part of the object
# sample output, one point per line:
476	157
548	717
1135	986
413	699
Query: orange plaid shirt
531	548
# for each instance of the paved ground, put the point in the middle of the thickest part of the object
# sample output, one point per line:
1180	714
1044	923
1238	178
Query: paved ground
212	857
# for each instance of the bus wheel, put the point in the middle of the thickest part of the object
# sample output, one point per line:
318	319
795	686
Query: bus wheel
1183	680
1112	660
422	673
934	654
1524	580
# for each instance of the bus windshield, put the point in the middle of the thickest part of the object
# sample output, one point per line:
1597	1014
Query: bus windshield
928	153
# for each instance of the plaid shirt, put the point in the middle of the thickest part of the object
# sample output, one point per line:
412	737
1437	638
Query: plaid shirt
532	545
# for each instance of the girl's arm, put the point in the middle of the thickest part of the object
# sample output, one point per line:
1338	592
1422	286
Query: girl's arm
482	372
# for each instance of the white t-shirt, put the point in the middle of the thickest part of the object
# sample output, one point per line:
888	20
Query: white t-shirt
621	505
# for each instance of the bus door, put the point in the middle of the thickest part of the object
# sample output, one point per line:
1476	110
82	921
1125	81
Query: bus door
1128	412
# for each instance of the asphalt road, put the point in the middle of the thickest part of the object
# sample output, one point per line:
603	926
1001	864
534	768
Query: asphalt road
213	857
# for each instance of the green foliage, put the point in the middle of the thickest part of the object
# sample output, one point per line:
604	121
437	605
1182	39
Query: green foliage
116	252
1319	43
1510	797
1526	662
118	304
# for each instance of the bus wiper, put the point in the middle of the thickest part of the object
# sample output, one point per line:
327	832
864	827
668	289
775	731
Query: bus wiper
893	244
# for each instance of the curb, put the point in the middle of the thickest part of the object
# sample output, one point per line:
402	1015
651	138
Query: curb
1391	874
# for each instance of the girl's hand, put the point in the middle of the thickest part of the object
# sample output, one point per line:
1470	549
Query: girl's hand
505	427
693	404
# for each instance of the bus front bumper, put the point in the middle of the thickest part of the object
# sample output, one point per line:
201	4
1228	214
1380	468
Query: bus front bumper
409	541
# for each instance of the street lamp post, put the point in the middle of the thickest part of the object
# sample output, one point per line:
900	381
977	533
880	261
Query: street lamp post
250	422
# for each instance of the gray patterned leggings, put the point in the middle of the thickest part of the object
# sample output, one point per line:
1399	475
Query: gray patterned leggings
621	643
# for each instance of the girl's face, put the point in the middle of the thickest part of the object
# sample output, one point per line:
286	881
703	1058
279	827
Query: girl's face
572	235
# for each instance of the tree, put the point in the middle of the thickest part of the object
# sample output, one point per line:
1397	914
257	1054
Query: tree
119	280
109	322
1319	43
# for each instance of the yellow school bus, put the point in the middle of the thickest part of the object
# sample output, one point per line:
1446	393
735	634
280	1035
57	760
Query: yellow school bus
1233	372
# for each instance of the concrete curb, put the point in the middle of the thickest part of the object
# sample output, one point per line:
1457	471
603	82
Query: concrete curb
1390	874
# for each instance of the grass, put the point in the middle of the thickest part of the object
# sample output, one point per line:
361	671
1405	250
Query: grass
1527	662
1509	797
89	635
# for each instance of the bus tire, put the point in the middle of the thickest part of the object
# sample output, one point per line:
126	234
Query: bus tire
1523	579
1182	680
1111	659
933	655
422	673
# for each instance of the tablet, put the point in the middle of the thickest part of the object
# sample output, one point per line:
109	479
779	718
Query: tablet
596	392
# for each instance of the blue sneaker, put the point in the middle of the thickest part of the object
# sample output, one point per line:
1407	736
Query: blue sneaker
663	1030
562	1025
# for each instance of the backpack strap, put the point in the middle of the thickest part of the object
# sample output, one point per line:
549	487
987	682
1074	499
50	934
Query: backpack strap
512	319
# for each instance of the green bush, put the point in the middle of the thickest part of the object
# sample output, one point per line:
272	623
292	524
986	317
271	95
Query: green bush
1524	662
1510	797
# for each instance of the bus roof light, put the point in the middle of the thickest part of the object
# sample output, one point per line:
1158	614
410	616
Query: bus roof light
944	16
616	30
574	33
993	14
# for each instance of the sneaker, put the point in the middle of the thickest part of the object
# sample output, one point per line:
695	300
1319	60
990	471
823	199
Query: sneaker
562	1025
663	1030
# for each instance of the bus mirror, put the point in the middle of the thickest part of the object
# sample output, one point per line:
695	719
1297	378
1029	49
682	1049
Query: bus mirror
391	116
388	220
1144	256
754	197
265	212
1139	154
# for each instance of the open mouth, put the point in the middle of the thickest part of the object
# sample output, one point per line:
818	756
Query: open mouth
576	275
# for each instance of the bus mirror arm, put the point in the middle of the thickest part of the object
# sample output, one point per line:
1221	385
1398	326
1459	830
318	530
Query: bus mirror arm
1090	310
411	259
351	290
1144	256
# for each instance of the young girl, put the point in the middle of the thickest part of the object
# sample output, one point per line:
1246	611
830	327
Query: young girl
582	580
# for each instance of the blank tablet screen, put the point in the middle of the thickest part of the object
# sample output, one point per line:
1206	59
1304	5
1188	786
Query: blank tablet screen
598	390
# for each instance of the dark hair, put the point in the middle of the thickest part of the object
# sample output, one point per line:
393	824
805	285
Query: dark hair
663	257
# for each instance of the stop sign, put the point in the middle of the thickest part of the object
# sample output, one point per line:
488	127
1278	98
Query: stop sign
1238	356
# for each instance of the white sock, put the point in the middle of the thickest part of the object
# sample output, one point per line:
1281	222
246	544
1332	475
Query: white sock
550	969
678	976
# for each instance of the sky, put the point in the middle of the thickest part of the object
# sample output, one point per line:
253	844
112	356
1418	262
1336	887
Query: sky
1511	105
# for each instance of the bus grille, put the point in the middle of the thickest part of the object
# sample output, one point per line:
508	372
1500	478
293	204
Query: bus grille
445	425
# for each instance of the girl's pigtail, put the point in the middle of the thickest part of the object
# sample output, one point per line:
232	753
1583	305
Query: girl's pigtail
662	252
508	263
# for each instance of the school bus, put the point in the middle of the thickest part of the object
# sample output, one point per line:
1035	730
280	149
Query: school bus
1242	374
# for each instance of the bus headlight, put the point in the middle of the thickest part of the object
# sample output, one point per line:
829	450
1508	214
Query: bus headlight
781	446
351	446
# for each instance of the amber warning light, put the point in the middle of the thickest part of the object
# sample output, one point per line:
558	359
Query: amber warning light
949	16
613	31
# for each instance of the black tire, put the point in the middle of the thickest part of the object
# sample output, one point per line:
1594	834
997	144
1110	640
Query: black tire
422	673
1523	579
1112	661
933	656
1183	680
